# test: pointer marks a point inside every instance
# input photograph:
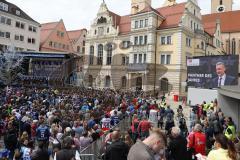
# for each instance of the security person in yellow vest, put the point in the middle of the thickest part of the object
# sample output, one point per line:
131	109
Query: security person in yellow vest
211	104
230	132
205	108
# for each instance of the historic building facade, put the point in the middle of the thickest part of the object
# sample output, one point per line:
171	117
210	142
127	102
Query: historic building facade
146	49
54	38
17	30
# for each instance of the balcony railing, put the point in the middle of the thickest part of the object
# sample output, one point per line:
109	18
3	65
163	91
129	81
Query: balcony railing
137	67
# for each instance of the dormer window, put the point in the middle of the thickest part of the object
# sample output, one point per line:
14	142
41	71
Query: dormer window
3	6
18	12
101	20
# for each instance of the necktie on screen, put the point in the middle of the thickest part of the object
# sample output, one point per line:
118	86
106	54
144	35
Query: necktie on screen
220	82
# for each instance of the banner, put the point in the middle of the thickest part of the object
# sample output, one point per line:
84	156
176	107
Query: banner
212	71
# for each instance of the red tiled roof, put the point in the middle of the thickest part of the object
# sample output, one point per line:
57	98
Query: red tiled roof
229	21
75	34
210	27
116	18
125	24
46	29
172	14
148	9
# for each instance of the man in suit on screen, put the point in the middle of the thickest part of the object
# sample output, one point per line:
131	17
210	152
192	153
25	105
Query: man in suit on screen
222	79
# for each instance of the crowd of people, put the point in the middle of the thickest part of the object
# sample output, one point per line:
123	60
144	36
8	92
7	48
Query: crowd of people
43	124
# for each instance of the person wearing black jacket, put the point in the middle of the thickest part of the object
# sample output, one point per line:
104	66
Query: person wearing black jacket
11	139
177	147
118	150
67	152
41	153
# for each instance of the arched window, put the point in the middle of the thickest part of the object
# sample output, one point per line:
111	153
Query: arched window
109	54
107	81
100	55
124	82
90	80
233	46
164	84
91	56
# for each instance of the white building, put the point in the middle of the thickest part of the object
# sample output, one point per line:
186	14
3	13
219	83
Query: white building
17	29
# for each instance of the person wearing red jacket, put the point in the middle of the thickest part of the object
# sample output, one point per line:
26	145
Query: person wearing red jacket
197	140
144	127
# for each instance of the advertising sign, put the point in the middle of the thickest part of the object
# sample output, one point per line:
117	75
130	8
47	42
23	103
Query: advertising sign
212	71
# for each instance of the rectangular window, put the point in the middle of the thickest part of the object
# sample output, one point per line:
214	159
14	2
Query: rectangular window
140	58
29	40
136	24
3	6
62	34
3	19
30	28
168	60
7	34
126	44
21	38
145	39
2	34
127	60
34	29
146	22
22	25
123	60
169	40
135	40
16	37
33	41
141	23
141	40
55	45
163	40
162	59
135	58
188	42
9	21
165	59
18	24
144	58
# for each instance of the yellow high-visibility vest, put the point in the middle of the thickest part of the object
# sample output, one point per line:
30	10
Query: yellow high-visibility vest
230	136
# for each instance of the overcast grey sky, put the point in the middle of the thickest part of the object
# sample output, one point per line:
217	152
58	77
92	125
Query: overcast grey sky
78	14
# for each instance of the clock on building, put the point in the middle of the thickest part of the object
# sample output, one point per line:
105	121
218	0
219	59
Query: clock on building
221	8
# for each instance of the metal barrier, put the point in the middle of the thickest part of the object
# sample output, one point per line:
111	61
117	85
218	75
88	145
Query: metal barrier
95	150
